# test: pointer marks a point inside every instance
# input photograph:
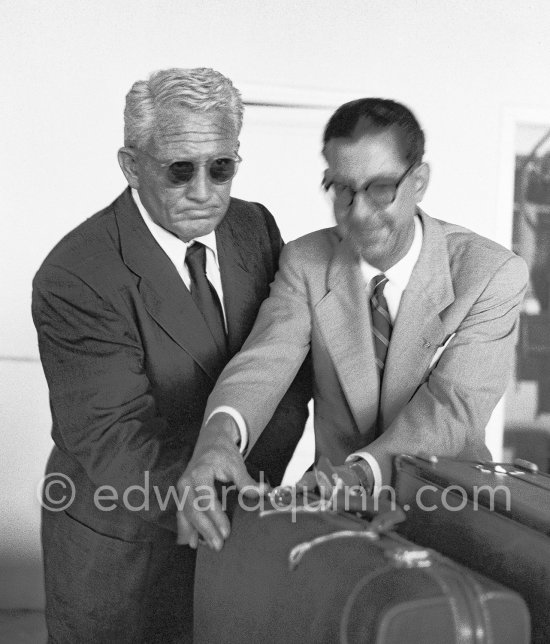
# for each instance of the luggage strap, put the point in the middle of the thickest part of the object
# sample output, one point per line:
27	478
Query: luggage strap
463	592
472	623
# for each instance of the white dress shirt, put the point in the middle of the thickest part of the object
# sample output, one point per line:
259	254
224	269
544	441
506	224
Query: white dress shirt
176	250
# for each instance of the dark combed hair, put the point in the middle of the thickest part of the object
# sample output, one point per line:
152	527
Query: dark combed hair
379	114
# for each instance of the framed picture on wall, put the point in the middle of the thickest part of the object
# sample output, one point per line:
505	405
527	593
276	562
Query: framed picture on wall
527	173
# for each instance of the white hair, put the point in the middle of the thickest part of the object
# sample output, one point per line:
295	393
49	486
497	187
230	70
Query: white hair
200	89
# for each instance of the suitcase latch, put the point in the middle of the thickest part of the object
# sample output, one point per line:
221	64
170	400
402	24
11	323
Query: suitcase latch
533	468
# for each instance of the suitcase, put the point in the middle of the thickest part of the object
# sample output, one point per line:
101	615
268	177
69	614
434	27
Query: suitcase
491	517
529	444
305	572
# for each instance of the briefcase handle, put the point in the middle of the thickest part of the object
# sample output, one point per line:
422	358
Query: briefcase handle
381	513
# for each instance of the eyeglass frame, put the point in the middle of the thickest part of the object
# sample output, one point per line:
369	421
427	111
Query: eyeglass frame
166	164
327	185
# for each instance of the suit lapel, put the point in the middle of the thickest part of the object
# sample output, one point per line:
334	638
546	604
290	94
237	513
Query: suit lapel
418	329
237	280
344	318
164	294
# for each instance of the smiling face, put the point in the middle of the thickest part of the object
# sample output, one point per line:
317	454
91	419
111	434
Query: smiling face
195	208
381	235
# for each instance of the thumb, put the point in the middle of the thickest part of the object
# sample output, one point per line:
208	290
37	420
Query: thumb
248	486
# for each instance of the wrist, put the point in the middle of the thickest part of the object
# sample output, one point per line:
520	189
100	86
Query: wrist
241	439
364	474
223	427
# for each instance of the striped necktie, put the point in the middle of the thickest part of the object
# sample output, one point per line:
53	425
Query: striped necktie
381	322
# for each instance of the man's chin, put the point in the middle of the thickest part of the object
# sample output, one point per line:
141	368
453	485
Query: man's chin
373	255
365	248
196	227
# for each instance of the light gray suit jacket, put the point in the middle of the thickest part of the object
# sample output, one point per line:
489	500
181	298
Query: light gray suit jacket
464	295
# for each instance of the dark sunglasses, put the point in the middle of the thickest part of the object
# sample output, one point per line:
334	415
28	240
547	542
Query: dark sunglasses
220	169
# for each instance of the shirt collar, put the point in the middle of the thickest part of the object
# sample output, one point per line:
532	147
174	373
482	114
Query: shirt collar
173	246
399	274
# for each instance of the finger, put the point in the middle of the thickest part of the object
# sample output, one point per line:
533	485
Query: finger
194	540
185	529
347	476
254	489
207	531
246	484
324	484
207	517
185	517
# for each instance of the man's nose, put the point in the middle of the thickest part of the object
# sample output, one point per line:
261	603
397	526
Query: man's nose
200	186
362	205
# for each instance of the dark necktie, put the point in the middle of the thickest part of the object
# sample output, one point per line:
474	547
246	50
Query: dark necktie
381	322
204	294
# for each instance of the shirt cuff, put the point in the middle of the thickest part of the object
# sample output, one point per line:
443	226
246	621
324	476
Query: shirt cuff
375	469
237	417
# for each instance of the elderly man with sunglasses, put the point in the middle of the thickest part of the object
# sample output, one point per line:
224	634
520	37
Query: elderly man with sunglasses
411	323
137	311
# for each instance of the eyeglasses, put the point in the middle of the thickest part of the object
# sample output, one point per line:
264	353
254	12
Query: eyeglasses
382	191
220	169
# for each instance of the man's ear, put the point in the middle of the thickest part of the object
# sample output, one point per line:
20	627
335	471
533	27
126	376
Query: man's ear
422	178
127	163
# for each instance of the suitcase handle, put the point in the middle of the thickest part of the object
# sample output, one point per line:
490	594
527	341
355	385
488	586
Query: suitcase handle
409	556
296	554
499	468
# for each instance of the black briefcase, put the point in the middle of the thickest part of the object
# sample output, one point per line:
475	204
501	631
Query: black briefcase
305	573
492	517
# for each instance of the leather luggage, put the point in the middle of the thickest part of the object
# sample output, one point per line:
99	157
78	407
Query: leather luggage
306	573
491	517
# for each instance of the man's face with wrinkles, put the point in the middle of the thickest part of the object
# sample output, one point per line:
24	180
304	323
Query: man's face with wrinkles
197	207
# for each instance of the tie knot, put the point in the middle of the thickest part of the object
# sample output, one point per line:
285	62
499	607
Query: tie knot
379	281
195	255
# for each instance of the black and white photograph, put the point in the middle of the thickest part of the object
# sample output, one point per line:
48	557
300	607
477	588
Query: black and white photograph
275	347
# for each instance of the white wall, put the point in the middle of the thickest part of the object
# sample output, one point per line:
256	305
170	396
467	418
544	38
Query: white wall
66	65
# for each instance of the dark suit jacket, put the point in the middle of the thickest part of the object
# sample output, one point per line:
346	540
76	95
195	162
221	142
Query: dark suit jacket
130	362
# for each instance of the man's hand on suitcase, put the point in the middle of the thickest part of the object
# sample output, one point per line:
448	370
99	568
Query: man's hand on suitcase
216	458
325	477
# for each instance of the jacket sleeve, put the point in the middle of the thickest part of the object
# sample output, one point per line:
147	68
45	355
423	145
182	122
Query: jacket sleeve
102	404
257	378
274	448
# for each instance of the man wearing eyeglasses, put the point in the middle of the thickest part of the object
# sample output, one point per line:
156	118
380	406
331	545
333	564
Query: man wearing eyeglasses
410	320
137	311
